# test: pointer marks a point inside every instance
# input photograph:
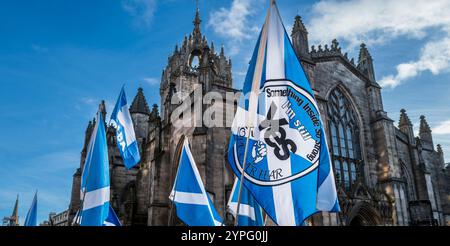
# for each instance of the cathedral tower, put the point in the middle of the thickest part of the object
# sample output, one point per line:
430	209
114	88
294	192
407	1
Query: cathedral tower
193	70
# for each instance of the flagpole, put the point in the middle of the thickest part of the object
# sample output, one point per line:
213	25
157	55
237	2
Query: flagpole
80	210
252	103
172	206
174	195
186	140
123	88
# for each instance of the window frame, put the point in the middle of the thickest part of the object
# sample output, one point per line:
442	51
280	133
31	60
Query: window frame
345	137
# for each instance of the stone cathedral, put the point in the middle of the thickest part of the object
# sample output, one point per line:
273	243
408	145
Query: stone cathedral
384	173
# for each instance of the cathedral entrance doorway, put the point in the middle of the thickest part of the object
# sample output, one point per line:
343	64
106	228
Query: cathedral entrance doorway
364	214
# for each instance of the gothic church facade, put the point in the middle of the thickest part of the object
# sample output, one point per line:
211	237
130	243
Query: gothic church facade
385	174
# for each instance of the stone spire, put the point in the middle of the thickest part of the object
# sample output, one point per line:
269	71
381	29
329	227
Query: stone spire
424	127
300	37
425	133
222	51
405	126
365	62
139	104
102	109
88	133
197	21
89	127
15	214
298	25
155	112
404	119
439	149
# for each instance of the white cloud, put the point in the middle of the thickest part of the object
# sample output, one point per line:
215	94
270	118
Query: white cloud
443	128
233	23
142	10
434	57
372	22
151	81
378	22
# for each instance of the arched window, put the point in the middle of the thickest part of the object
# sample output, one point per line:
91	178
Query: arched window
194	59
409	183
344	136
195	62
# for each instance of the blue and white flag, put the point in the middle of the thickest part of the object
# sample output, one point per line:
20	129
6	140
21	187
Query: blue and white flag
193	205
95	187
288	168
125	135
31	219
112	219
250	213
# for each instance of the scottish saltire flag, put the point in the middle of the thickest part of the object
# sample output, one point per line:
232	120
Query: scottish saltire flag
193	205
112	219
288	168
126	138
31	219
250	213
95	179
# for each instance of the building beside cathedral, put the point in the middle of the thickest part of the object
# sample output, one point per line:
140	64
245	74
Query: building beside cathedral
385	174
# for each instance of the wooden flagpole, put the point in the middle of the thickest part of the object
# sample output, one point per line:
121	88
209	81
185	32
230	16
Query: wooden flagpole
253	101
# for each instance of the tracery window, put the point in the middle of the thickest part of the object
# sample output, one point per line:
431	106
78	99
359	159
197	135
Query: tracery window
344	134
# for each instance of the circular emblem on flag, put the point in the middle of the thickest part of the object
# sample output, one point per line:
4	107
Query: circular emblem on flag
285	143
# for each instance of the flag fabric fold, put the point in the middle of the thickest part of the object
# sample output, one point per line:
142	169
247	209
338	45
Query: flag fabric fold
193	204
112	219
126	139
287	167
250	213
95	182
31	219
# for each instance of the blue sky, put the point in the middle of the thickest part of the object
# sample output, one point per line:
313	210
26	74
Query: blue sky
58	59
